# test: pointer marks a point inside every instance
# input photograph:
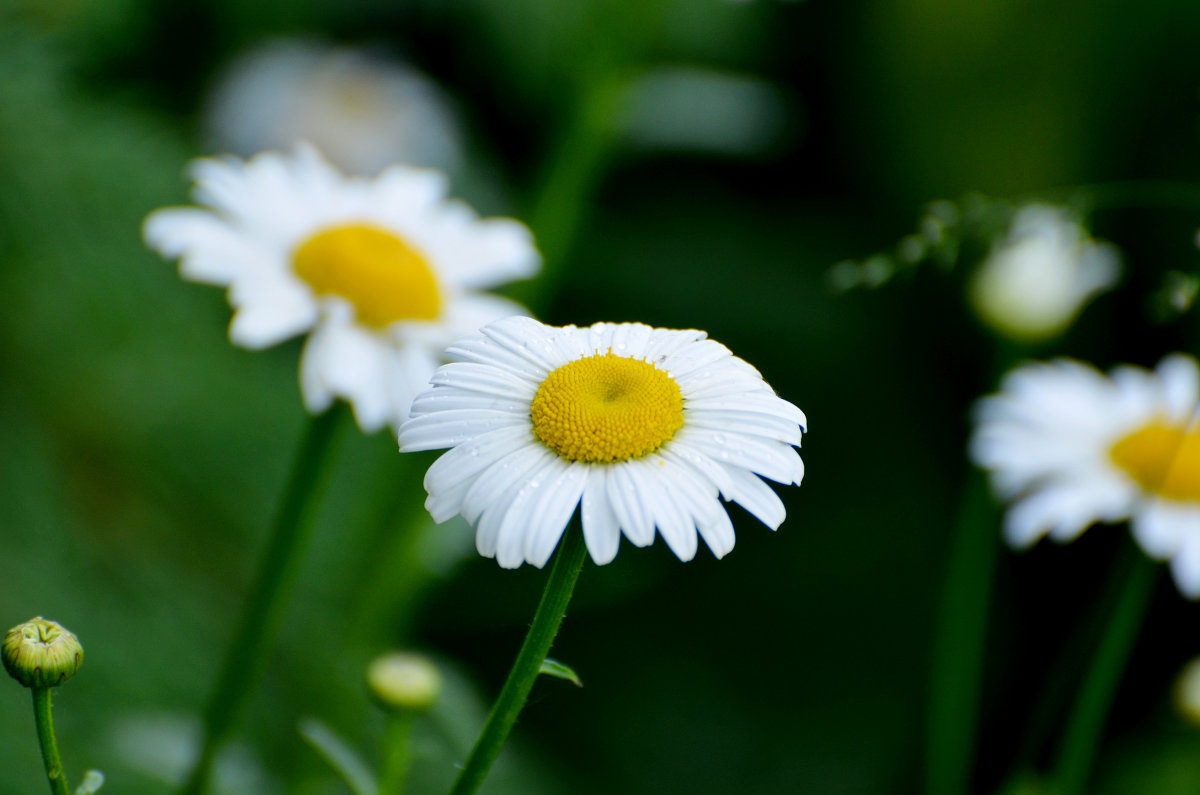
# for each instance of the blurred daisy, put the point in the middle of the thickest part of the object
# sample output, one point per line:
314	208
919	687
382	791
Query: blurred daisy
385	273
365	111
1037	279
1070	447
640	427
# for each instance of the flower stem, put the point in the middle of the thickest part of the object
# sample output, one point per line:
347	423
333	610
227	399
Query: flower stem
1085	727
394	769
959	645
567	565
43	717
247	655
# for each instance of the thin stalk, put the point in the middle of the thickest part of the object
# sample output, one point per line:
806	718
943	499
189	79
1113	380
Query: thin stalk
1085	726
43	717
394	768
247	656
567	564
959	645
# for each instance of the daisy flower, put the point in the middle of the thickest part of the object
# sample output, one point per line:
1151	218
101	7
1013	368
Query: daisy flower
1071	447
1038	278
363	109
639	427
384	273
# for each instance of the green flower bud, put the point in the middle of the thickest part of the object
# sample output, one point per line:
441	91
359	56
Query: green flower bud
401	681
41	653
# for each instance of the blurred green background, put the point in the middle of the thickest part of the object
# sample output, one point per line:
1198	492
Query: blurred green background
141	454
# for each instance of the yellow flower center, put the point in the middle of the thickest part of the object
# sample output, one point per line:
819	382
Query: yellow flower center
384	277
1163	459
605	408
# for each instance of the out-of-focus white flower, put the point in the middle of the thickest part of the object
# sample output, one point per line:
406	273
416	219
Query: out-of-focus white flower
363	110
1069	446
638	427
385	273
1037	279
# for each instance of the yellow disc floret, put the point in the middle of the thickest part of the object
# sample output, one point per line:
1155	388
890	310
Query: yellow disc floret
1163	459
384	277
606	408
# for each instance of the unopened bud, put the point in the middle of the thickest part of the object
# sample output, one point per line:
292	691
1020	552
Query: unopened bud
401	681
41	653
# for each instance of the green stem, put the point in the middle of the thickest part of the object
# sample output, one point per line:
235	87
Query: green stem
546	621
43	717
247	656
959	645
1085	727
394	769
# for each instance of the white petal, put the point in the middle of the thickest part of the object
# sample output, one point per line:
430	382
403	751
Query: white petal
1162	527
775	460
450	428
717	532
661	495
506	475
526	338
749	491
451	399
481	350
522	513
625	499
1185	567
552	505
601	530
464	462
769	426
485	380
1181	385
258	325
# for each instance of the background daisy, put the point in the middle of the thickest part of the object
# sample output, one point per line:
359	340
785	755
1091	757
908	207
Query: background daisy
643	428
1070	447
384	272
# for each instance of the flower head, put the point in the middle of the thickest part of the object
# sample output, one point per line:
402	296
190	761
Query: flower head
1071	447
41	653
363	109
385	273
639	427
1036	280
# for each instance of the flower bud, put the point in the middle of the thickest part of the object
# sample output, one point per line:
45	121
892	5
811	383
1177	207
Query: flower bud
41	653
400	681
1038	278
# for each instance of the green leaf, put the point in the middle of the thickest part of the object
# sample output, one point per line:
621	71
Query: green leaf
339	755
559	671
93	780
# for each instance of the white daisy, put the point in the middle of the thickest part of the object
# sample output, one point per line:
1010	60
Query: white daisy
1038	278
640	427
1071	447
384	272
363	109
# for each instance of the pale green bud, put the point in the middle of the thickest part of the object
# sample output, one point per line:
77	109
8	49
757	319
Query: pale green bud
402	681
41	653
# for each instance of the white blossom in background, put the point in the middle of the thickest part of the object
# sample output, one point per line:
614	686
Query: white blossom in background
363	110
1068	446
382	274
1036	280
